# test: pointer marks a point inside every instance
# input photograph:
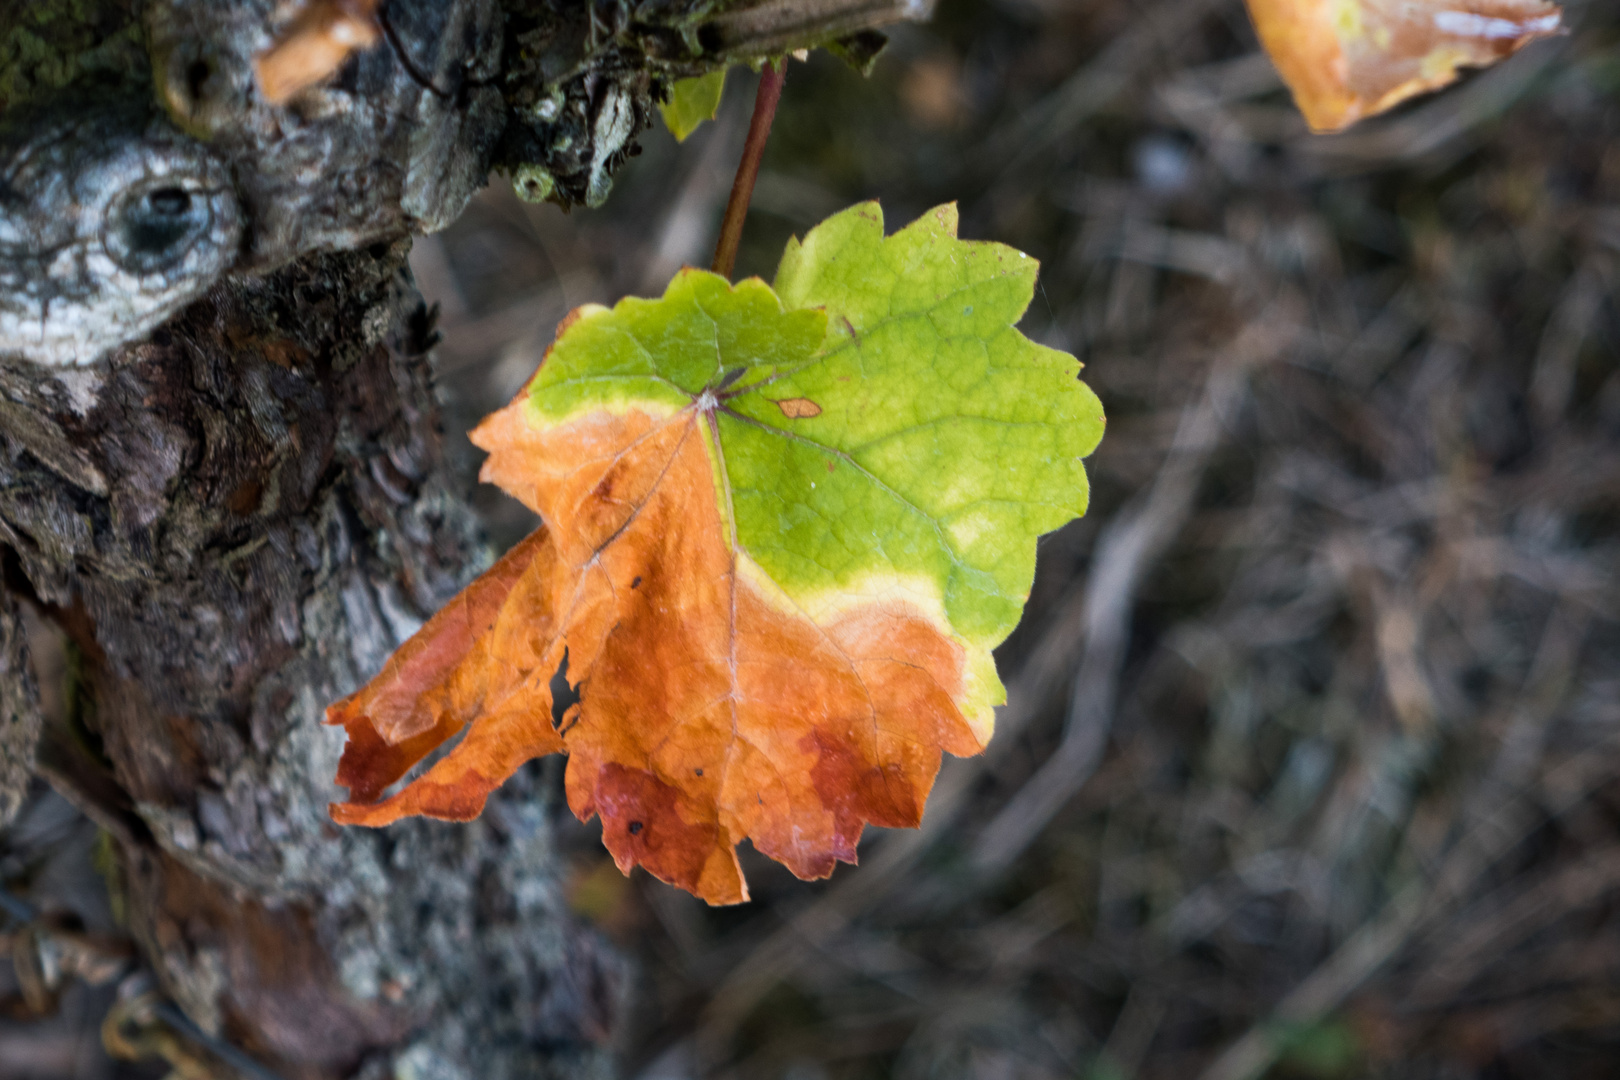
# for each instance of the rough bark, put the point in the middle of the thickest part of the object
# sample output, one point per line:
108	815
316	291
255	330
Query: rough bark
237	515
237	520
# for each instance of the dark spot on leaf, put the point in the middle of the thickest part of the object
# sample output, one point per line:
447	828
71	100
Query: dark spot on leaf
730	377
831	465
636	582
635	828
698	771
798	408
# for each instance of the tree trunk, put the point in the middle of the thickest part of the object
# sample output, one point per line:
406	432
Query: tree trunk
237	521
236	516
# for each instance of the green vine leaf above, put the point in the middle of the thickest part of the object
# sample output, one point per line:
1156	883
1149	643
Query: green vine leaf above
692	101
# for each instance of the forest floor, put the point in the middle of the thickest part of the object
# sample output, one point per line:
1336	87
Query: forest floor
1311	761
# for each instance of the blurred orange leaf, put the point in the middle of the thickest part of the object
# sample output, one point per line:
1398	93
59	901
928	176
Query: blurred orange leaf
314	45
1349	59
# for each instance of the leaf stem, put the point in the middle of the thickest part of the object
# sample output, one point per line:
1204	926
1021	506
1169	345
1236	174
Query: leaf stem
771	77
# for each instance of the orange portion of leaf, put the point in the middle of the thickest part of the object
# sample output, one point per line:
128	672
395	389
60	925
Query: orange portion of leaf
722	714
481	660
715	712
1349	59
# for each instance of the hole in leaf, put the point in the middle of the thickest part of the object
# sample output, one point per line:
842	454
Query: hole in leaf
564	695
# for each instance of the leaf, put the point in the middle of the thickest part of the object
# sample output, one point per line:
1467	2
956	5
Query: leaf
783	531
1349	59
317	41
692	101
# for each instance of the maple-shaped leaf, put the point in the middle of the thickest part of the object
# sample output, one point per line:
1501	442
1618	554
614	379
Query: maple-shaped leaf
782	532
1349	59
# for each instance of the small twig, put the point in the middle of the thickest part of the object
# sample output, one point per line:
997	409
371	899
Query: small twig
224	1051
771	78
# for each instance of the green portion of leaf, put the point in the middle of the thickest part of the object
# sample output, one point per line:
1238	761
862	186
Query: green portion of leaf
662	354
958	440
883	428
692	101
